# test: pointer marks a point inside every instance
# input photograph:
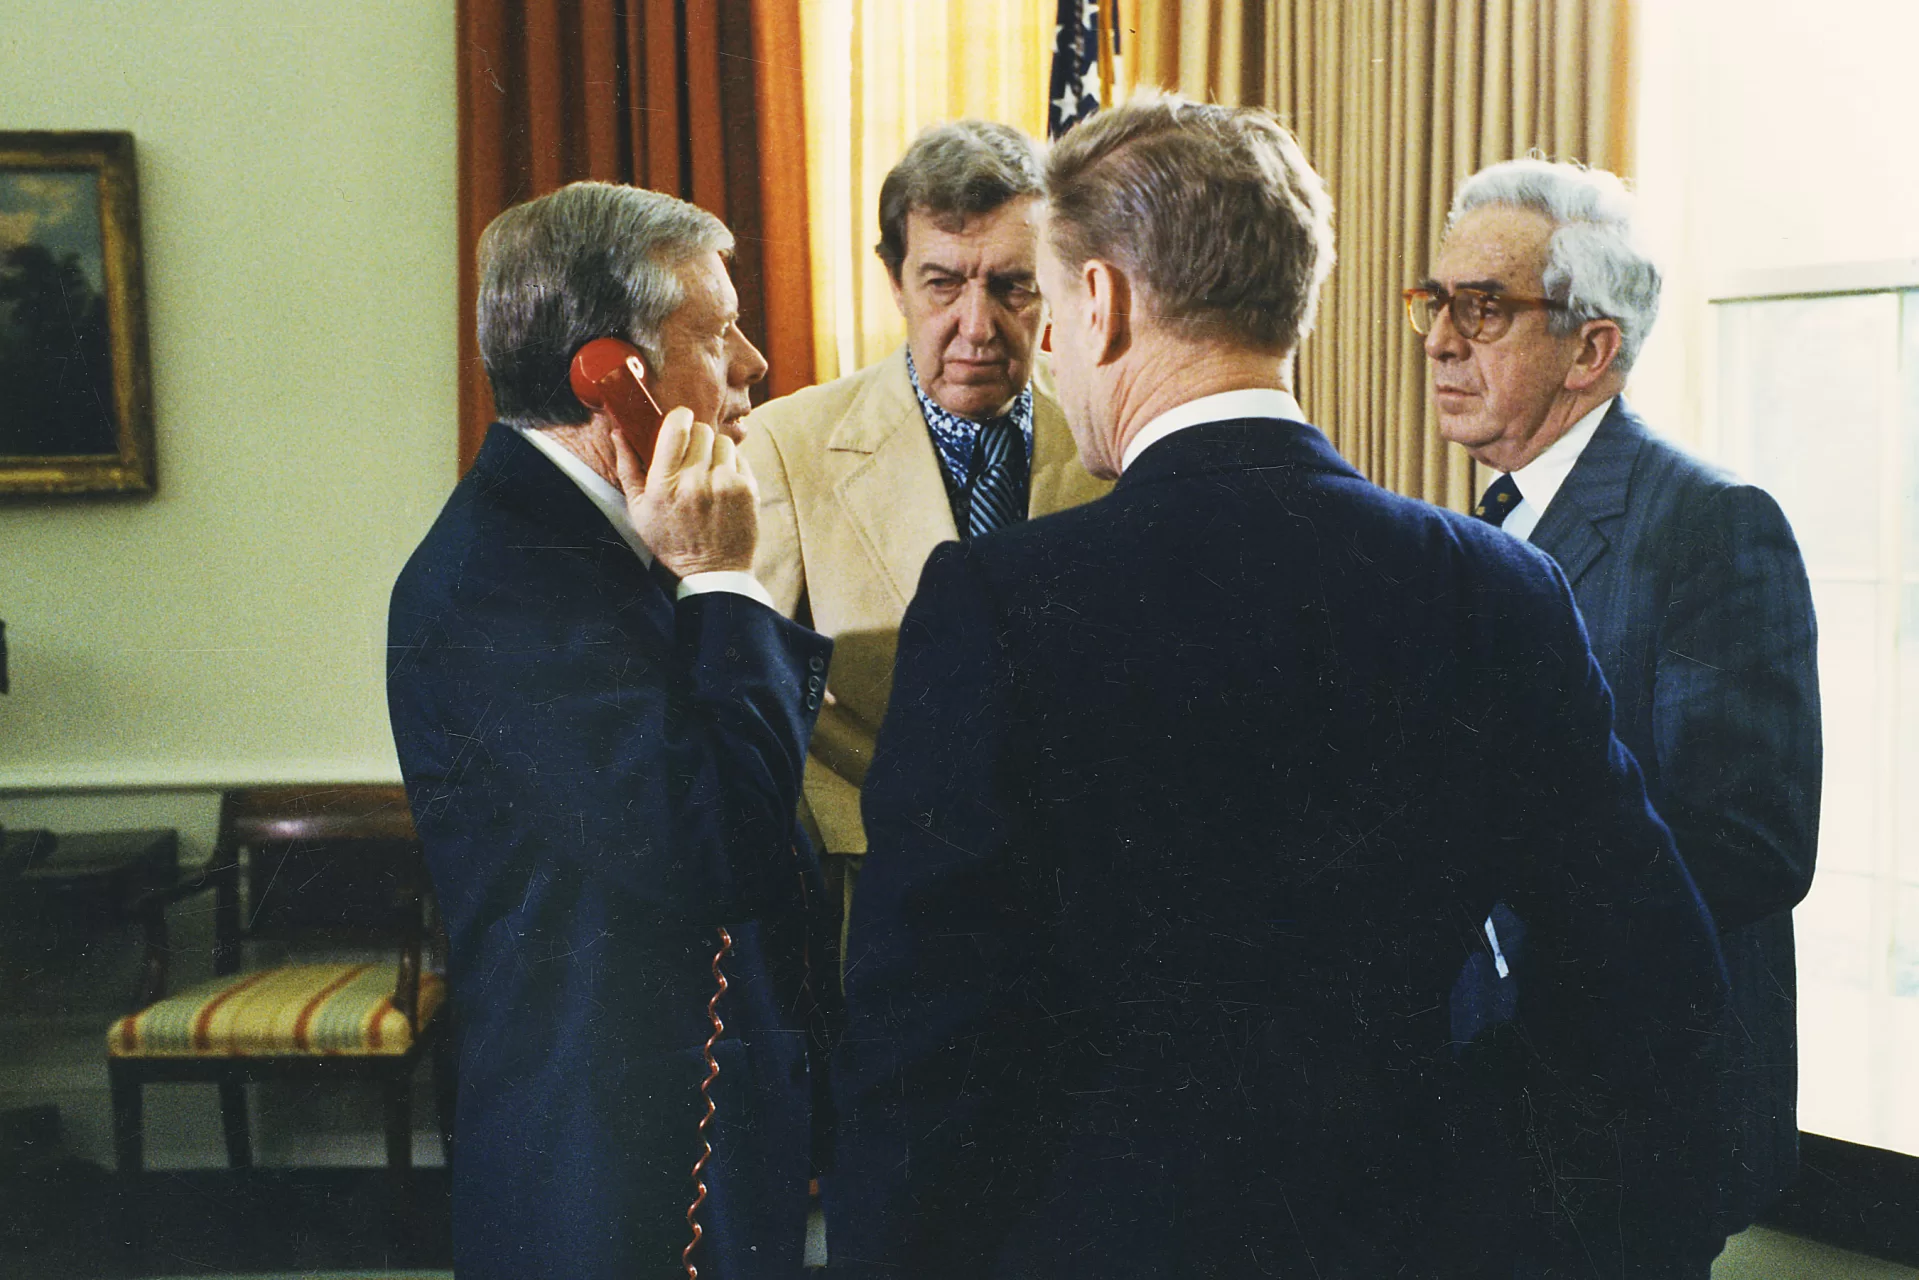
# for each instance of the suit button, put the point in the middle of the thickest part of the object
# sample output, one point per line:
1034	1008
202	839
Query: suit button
812	702
815	684
816	663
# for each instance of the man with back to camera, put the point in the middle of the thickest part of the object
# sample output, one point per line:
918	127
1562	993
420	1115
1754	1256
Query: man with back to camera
1691	584
1190	801
945	438
602	725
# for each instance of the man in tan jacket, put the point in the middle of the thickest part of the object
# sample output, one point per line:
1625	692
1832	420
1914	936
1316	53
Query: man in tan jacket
946	438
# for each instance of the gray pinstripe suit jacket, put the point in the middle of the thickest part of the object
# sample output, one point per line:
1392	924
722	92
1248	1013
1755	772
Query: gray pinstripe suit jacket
1696	599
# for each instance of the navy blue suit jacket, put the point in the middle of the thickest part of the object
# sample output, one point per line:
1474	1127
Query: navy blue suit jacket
601	777
1183	818
1696	600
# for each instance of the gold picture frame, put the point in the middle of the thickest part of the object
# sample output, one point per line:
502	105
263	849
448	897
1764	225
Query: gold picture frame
76	399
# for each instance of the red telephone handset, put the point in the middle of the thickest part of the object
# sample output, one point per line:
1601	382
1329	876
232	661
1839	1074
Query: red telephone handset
609	374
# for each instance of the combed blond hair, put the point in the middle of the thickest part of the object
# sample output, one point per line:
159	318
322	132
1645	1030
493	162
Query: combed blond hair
1213	209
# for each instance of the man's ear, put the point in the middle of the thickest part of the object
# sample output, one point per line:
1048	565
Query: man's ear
1109	308
1599	344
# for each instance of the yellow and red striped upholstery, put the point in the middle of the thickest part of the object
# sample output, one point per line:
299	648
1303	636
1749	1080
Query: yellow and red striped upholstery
300	1009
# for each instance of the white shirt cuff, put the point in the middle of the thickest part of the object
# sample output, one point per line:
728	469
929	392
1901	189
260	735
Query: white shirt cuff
733	580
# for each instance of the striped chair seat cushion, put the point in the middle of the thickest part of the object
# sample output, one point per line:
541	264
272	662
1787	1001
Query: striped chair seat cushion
294	1009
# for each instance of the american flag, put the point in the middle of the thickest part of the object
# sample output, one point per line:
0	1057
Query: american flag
1075	86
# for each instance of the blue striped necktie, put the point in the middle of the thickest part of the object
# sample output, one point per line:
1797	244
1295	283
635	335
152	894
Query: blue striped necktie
996	494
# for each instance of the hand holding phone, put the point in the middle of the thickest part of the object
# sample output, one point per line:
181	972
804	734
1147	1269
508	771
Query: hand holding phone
697	504
610	375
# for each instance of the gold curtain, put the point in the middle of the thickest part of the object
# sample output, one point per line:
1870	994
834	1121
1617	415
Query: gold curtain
877	72
1396	103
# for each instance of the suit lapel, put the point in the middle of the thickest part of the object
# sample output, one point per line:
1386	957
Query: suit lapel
891	490
1059	481
1575	530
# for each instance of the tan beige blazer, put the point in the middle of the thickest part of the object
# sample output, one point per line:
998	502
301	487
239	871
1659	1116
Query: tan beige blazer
851	504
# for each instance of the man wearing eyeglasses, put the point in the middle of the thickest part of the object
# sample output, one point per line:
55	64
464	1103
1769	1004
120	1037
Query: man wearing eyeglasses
1189	801
1692	588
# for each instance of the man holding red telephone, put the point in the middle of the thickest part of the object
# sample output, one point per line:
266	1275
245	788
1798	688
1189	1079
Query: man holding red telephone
602	724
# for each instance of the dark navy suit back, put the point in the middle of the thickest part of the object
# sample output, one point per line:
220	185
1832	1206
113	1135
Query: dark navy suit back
1276	741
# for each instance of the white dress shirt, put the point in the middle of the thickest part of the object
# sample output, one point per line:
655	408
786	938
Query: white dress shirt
1226	406
1540	479
612	504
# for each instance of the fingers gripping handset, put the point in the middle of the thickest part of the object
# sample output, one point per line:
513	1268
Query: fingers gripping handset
695	503
610	375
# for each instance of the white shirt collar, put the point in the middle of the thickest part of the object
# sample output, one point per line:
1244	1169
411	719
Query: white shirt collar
1225	406
608	498
1539	480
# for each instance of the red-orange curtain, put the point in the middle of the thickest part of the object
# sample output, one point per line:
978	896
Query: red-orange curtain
697	98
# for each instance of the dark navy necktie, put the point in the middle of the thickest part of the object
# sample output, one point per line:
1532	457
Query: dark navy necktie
1501	496
996	494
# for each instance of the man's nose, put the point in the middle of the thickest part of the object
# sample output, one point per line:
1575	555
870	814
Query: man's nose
749	366
1442	341
976	315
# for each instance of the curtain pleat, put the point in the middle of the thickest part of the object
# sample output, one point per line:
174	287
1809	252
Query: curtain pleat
658	33
701	99
786	264
1396	103
1525	75
706	143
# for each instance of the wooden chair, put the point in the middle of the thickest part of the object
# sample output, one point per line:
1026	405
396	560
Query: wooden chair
337	866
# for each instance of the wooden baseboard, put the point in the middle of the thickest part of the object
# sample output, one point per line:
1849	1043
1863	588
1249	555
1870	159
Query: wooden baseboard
1855	1197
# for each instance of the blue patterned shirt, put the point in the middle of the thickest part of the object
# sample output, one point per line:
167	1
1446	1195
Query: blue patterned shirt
953	436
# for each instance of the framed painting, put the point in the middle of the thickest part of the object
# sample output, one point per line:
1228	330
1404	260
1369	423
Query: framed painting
76	405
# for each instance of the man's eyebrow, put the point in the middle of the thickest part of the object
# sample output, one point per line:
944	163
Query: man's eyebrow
992	277
1431	285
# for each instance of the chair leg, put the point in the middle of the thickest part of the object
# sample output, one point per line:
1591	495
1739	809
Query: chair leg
233	1119
399	1120
128	1135
445	1090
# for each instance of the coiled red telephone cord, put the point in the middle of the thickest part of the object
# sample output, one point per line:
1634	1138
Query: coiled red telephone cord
712	1074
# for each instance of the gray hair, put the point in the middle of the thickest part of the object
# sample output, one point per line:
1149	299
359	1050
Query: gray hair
953	171
1213	209
1594	263
591	260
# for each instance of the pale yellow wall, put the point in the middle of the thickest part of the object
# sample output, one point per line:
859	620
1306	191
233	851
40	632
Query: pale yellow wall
1772	134
296	167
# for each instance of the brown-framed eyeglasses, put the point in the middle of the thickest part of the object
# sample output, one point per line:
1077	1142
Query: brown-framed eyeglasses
1478	316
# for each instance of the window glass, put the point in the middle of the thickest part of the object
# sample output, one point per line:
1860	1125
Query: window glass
1819	404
